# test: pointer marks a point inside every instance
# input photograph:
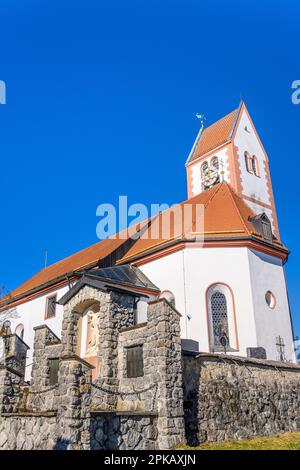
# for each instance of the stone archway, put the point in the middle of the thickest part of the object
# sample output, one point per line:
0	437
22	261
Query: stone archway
81	330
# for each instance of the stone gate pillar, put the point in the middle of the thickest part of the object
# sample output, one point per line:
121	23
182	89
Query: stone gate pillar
164	345
74	401
116	311
46	346
13	352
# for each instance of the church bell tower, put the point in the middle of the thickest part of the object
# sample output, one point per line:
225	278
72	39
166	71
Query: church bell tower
230	150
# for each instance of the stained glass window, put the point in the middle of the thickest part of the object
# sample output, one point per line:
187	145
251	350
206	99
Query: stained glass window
219	320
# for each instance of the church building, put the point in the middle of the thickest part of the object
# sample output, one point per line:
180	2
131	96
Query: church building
228	283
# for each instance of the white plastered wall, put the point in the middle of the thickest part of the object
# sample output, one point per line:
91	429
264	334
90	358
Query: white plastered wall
250	275
267	274
190	272
259	209
245	140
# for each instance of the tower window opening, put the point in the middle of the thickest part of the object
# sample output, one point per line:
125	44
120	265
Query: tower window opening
204	167
214	163
251	164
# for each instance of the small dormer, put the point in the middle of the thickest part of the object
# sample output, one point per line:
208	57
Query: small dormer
263	226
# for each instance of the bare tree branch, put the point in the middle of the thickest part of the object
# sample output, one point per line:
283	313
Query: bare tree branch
10	313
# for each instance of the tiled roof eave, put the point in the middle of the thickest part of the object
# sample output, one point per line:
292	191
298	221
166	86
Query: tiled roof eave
276	247
207	239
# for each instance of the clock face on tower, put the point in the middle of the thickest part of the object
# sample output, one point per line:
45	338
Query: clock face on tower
210	177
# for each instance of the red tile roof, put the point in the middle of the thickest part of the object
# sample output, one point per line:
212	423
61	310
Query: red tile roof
215	135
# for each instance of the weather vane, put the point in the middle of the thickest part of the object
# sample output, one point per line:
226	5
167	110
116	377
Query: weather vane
201	118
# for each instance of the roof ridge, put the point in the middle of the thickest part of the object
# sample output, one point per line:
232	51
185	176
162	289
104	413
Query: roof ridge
231	192
216	188
197	140
212	190
238	109
223	117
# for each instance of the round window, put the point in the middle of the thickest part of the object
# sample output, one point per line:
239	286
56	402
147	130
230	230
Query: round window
270	299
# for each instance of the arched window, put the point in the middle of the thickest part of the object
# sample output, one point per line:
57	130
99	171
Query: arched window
20	331
248	161
204	167
214	163
169	296
221	318
251	164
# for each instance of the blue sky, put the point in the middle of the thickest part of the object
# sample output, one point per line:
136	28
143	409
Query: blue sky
101	101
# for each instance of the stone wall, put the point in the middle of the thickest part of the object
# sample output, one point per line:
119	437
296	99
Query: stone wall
230	398
28	431
10	389
15	353
91	401
12	371
124	431
107	431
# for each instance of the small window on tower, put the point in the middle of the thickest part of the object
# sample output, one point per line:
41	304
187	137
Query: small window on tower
214	163
251	164
50	307
248	161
